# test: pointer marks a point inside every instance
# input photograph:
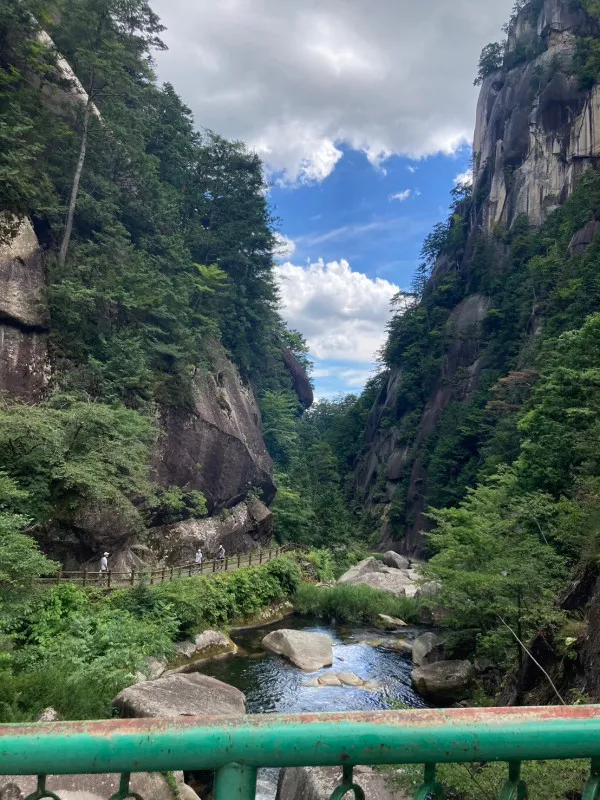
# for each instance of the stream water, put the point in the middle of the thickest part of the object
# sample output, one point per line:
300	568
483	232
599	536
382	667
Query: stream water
271	684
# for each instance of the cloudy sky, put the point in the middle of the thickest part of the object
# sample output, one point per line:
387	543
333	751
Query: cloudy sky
363	111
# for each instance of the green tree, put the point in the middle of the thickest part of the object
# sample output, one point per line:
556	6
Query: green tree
490	60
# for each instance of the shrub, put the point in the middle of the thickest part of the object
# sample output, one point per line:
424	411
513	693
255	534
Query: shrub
353	604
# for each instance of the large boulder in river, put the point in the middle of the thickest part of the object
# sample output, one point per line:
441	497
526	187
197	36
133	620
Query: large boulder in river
427	649
395	560
180	695
318	783
364	567
309	651
444	682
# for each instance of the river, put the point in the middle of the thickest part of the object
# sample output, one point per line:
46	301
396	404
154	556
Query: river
271	684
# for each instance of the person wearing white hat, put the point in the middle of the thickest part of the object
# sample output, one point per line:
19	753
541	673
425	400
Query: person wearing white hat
103	567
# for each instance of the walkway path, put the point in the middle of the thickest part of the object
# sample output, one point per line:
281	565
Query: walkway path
114	580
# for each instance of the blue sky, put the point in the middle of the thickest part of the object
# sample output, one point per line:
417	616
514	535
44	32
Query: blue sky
342	99
375	218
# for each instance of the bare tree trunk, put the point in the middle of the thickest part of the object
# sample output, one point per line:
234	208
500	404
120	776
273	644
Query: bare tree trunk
64	247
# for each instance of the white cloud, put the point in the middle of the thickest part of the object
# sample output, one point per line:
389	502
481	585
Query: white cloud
402	196
341	313
285	247
464	177
412	169
299	80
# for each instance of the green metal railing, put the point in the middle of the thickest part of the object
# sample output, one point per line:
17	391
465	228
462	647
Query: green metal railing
235	747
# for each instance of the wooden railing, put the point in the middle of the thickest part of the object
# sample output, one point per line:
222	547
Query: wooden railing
117	580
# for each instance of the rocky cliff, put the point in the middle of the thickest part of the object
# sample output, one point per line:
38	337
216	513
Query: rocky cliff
24	363
537	130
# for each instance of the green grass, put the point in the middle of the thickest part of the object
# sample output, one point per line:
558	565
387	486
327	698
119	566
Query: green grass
353	604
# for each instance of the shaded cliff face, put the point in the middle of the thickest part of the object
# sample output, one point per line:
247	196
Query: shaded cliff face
218	448
387	457
24	363
537	131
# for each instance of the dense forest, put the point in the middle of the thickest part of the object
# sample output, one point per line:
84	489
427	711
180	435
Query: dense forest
158	241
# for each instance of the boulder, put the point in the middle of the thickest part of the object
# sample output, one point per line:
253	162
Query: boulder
350	679
394	581
395	560
444	682
427	649
430	589
390	623
318	783
180	695
149	785
240	529
400	646
204	646
309	651
48	715
154	667
329	679
364	567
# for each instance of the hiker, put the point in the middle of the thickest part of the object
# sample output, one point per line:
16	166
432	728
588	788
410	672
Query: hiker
199	558
221	553
103	567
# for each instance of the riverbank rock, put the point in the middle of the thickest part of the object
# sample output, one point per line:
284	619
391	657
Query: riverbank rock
318	783
374	573
364	567
427	649
180	695
204	646
389	623
395	560
149	785
399	646
444	682
309	651
274	613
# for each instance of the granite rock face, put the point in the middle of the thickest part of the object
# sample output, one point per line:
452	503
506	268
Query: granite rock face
24	363
217	448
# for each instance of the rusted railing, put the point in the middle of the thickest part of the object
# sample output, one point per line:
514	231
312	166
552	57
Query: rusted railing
235	747
111	579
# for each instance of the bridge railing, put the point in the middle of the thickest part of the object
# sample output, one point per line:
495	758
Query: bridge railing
235	747
115	579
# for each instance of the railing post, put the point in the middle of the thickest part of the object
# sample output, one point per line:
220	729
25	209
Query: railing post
163	575
151	577
108	575
201	566
84	576
171	578
239	559
191	570
214	564
235	781
226	563
132	576
250	559
260	555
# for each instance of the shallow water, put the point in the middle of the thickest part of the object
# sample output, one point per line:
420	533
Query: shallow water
271	684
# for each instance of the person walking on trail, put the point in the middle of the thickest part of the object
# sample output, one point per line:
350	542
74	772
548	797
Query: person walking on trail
221	554
199	557
104	567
